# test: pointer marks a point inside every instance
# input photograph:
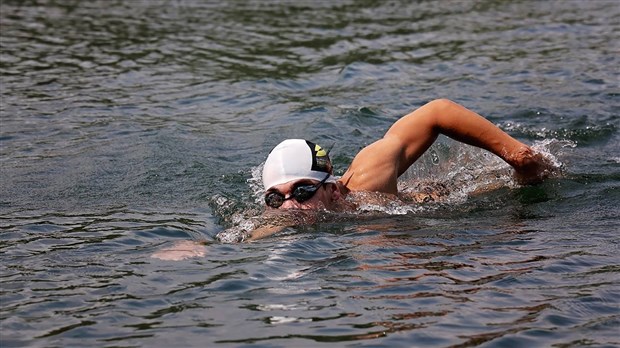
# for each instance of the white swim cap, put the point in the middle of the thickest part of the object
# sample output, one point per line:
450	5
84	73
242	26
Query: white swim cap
295	159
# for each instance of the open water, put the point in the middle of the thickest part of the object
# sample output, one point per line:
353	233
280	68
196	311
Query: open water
127	126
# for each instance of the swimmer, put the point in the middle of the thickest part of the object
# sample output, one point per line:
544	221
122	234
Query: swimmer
298	174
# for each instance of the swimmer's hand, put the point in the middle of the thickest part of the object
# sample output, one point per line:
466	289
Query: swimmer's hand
264	232
181	250
531	167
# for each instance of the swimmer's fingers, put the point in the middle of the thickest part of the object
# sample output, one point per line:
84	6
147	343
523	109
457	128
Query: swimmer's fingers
532	168
181	250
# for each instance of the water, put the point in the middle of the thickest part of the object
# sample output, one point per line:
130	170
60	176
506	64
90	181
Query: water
129	126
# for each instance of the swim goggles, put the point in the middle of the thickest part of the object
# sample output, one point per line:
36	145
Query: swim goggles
301	193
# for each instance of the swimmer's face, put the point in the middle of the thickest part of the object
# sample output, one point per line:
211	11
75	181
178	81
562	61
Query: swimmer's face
298	194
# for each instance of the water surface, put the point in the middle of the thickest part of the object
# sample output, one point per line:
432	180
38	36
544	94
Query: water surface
129	126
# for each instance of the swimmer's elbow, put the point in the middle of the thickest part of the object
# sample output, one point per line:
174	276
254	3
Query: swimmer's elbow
432	116
441	101
442	107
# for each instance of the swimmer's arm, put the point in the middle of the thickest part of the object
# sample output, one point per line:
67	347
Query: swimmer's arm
415	132
276	220
187	249
377	166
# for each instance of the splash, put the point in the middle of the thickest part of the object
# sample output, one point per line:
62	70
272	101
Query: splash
552	149
241	220
255	182
451	172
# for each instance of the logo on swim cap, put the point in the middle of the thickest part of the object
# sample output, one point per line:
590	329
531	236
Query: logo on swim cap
295	159
320	159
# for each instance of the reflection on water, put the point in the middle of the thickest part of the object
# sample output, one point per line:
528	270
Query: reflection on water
128	126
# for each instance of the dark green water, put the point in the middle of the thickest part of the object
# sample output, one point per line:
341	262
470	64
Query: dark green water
126	126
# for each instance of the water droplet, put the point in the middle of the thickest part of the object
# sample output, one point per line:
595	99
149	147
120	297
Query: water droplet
434	157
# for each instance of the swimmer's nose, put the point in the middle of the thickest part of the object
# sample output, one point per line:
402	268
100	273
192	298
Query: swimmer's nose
291	204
